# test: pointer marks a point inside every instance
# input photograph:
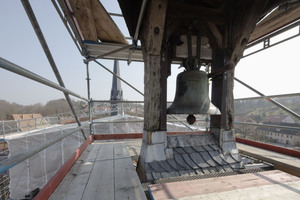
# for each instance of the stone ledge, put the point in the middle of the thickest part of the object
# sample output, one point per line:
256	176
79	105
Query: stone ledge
189	140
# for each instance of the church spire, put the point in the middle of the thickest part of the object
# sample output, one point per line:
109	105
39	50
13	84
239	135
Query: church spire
116	90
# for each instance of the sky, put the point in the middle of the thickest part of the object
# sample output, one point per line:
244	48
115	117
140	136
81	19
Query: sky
273	71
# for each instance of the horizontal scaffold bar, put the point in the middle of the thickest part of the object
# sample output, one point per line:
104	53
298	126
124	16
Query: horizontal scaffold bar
20	157
28	74
268	125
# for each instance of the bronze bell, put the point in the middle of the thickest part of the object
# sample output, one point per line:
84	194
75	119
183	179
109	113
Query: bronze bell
192	95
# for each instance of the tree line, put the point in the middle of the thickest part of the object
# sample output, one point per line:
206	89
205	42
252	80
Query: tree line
258	109
50	108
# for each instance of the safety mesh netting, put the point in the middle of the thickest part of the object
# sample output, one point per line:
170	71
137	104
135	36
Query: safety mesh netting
36	171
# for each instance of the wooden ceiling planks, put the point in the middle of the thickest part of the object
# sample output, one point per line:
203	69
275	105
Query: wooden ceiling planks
107	30
84	16
95	23
274	21
214	13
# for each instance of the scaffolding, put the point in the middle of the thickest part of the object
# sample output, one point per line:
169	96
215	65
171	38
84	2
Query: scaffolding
124	123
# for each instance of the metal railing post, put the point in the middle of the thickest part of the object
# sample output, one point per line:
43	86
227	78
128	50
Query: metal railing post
46	49
91	116
89	96
3	128
18	126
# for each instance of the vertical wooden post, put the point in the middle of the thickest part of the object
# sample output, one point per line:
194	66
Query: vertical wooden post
152	38
154	134
163	98
222	97
222	92
217	90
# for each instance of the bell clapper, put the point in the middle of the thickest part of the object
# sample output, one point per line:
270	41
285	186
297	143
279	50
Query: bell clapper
191	119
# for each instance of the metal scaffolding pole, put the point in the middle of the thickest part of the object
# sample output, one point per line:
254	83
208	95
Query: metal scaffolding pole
136	89
89	95
67	27
88	81
116	101
16	159
270	96
270	100
269	126
46	49
118	77
28	74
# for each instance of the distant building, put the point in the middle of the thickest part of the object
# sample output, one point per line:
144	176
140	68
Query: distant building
26	122
279	135
244	129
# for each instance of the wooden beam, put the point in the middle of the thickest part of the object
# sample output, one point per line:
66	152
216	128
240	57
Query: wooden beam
107	30
153	27
165	66
83	13
243	18
216	33
269	147
195	12
152	91
131	10
122	136
274	21
152	38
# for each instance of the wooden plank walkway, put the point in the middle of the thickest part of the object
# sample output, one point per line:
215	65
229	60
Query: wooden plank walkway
275	185
104	171
280	161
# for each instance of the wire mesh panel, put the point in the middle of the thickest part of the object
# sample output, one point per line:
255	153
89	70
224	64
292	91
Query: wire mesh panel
33	173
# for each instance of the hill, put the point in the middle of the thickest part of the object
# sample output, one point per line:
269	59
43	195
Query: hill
51	107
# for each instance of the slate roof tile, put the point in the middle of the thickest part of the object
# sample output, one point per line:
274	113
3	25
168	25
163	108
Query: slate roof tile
208	159
180	161
189	161
188	149
199	160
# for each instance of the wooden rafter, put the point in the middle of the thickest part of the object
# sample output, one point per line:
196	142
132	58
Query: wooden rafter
275	20
83	13
195	12
95	23
107	30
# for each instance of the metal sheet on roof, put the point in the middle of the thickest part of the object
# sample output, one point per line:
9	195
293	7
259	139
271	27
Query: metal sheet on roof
108	51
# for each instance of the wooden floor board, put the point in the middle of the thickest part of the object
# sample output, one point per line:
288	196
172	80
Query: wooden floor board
280	161
101	181
74	183
230	187
127	183
104	171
